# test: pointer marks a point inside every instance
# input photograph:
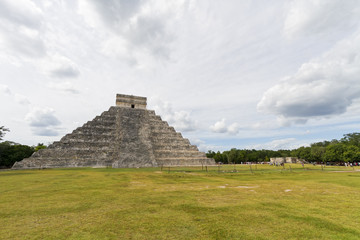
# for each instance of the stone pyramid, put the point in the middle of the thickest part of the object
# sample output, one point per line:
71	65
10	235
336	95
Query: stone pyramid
127	135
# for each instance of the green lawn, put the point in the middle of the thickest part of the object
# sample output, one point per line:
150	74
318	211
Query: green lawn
183	203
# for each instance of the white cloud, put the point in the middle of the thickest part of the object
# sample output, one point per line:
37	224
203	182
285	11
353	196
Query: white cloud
42	117
28	46
5	89
65	87
21	12
323	87
219	126
20	25
61	70
286	143
180	120
45	132
222	127
233	128
202	146
21	99
308	17
65	72
58	66
112	14
118	47
150	34
262	125
134	28
43	121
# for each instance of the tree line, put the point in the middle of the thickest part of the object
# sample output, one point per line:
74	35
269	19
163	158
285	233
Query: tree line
347	149
11	152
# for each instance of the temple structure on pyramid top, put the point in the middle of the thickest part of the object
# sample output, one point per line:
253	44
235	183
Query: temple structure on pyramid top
126	135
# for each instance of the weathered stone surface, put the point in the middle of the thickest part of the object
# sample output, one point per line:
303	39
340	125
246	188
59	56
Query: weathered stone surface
123	136
130	101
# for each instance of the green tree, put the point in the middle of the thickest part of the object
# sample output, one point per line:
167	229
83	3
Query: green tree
351	154
242	156
303	153
210	154
232	156
321	144
11	152
218	157
39	146
334	153
2	132
317	153
351	139
347	149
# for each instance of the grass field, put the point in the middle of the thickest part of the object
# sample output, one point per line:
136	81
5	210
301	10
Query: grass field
263	202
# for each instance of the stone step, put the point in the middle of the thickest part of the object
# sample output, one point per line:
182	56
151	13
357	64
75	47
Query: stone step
156	121
161	128
112	110
80	137
65	162
151	113
164	135
89	142
95	129
170	141
104	120
179	151
100	124
154	117
76	152
87	147
185	161
183	140
78	155
165	132
107	117
173	153
177	154
68	159
106	114
171	147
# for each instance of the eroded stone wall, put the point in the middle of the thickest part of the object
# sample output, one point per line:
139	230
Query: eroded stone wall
130	101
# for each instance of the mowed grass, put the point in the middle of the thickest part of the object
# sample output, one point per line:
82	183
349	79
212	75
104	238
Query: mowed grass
183	203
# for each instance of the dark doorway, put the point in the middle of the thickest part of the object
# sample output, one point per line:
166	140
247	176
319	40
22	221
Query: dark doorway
132	105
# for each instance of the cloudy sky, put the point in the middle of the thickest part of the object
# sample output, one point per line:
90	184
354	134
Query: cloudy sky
244	74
